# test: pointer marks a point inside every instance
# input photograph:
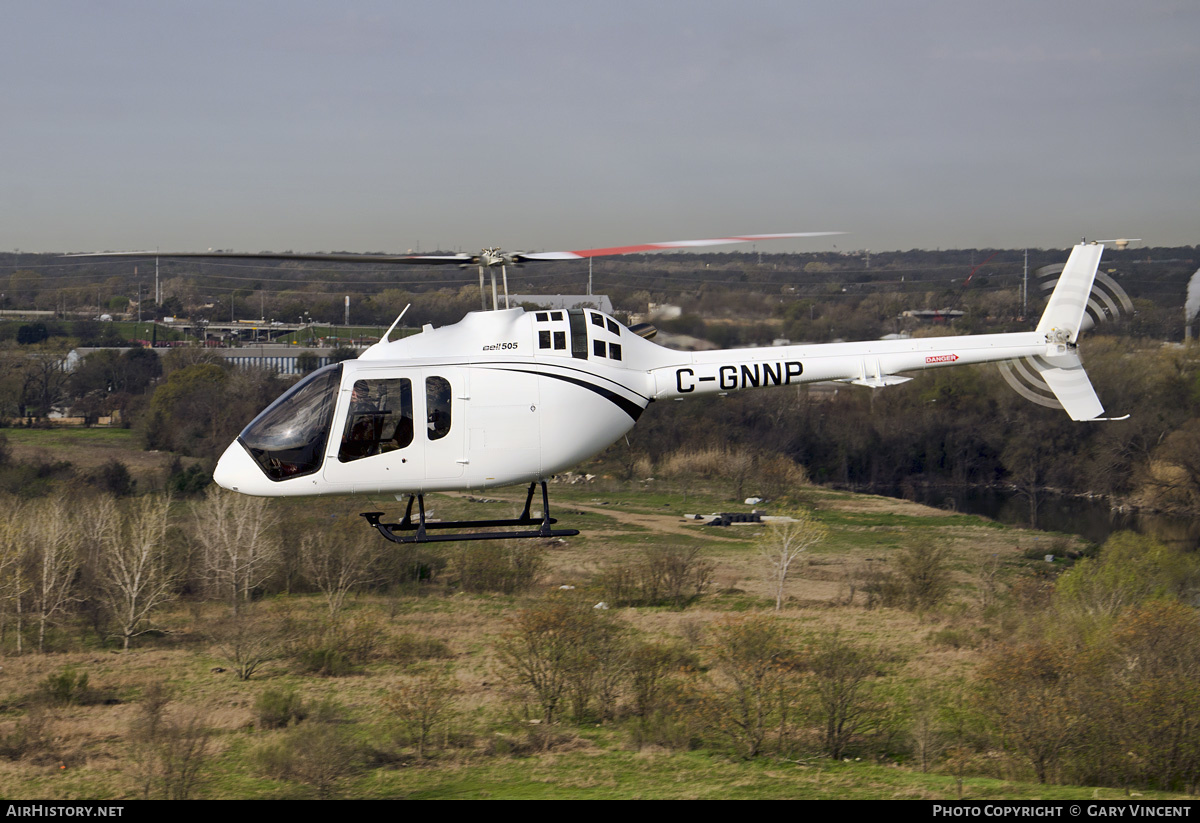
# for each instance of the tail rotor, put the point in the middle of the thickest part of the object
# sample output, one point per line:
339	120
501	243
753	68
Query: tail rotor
1081	297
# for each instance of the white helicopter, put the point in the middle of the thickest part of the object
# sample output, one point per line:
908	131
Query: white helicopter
512	396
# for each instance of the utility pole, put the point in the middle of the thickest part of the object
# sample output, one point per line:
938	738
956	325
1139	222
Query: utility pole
1025	287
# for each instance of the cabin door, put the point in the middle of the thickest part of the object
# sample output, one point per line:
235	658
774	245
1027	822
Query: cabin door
443	398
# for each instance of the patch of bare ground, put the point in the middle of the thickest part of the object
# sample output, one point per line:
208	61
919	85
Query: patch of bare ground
661	523
867	503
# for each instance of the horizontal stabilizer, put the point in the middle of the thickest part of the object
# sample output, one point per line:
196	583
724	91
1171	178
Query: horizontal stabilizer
877	381
873	376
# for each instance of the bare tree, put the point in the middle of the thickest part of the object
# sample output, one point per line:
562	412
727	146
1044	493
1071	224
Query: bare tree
248	640
14	581
1174	474
1029	694
1028	459
783	543
53	535
754	666
167	754
554	652
338	565
237	536
424	703
135	572
44	382
842	675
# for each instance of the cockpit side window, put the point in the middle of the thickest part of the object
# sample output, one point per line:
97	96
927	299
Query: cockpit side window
288	439
380	419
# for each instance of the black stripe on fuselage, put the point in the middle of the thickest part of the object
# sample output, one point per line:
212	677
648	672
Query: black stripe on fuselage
628	406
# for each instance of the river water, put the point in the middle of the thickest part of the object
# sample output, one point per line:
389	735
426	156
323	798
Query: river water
1093	518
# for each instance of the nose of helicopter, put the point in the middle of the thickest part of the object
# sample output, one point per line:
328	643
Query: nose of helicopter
236	470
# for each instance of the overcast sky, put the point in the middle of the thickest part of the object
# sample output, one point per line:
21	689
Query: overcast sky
385	126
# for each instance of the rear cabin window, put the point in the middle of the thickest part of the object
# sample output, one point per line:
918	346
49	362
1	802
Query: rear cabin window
437	406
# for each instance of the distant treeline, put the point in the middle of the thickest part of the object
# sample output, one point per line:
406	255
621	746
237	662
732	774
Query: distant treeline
800	289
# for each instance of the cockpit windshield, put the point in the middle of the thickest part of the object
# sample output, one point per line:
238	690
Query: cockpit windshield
288	438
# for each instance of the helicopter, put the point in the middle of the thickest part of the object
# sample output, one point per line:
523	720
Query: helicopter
514	396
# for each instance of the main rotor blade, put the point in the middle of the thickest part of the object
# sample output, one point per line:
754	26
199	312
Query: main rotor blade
671	244
417	259
460	259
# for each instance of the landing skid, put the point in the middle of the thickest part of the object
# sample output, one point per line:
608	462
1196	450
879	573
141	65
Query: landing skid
421	527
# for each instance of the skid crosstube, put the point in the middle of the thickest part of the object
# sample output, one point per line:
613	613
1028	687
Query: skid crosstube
422	526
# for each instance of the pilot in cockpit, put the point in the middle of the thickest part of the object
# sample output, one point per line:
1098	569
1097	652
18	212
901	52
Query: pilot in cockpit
362	435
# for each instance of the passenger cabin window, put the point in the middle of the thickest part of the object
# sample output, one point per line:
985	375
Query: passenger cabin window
380	419
437	406
543	340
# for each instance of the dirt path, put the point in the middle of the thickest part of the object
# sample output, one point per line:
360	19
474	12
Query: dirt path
664	523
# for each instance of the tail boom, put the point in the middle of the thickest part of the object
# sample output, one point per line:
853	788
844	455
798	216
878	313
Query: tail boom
878	363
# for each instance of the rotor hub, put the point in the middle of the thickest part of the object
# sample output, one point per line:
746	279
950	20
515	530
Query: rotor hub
495	257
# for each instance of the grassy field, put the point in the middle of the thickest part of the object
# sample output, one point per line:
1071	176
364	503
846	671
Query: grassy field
93	745
90	750
89	448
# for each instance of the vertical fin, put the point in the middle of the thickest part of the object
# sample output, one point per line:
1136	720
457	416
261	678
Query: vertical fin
1063	317
1061	370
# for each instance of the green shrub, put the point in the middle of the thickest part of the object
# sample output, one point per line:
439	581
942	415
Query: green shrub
30	737
326	661
65	688
504	566
277	709
318	755
674	576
